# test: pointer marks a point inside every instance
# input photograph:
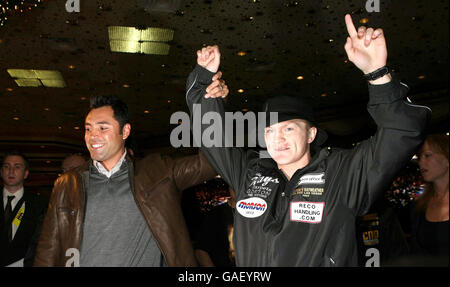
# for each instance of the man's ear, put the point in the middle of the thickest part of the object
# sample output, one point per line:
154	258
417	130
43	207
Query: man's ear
25	176
126	131
312	132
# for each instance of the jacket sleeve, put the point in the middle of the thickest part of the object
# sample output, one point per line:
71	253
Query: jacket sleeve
229	162
48	248
367	171
192	170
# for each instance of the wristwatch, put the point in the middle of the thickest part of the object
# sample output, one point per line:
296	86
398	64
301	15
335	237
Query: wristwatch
377	73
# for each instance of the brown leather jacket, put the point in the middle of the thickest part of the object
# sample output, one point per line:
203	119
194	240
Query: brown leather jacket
158	182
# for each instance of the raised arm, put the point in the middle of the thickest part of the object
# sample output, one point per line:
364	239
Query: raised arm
371	166
204	96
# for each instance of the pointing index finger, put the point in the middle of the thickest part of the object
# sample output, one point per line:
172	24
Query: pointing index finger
350	27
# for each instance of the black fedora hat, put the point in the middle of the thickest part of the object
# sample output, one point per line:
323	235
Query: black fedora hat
289	108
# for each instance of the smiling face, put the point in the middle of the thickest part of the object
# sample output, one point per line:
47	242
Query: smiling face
433	164
288	143
104	139
13	173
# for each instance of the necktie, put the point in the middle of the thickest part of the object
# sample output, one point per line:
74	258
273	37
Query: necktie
8	214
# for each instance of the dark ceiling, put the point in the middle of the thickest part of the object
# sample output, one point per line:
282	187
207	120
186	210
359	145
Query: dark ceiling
281	40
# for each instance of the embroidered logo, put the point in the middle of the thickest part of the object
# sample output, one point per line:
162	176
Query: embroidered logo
263	180
312	178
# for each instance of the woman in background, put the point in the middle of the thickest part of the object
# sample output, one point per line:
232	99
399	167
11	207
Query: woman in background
430	215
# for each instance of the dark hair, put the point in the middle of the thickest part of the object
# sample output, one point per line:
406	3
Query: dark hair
16	153
120	109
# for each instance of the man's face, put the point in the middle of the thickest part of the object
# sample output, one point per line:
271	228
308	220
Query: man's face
288	142
103	137
13	172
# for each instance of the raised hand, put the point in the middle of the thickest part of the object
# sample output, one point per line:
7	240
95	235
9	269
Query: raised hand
366	48
209	58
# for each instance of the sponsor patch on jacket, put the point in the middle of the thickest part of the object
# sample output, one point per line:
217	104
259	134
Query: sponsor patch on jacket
308	212
251	207
263	180
312	178
308	191
262	186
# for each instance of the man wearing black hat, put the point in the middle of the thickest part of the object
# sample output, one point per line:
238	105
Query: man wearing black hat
298	207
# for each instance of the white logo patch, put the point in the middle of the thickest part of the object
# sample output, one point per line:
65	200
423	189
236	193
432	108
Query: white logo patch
251	207
305	211
311	178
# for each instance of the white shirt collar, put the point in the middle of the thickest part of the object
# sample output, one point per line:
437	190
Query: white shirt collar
113	170
18	195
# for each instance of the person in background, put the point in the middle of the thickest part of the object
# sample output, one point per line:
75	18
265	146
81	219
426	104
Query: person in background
429	221
21	214
72	161
213	245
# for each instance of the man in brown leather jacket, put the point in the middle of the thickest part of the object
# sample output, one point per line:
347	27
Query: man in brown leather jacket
114	212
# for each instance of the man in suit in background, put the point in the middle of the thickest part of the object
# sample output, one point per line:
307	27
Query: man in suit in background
21	214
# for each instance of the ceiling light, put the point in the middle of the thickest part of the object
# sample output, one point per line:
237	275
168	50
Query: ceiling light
53	83
71	67
28	82
125	85
37	78
241	53
16	118
146	41
421	77
364	21
146	112
240	91
300	78
76	128
323	95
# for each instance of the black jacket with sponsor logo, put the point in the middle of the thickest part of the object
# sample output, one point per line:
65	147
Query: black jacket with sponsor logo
310	219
